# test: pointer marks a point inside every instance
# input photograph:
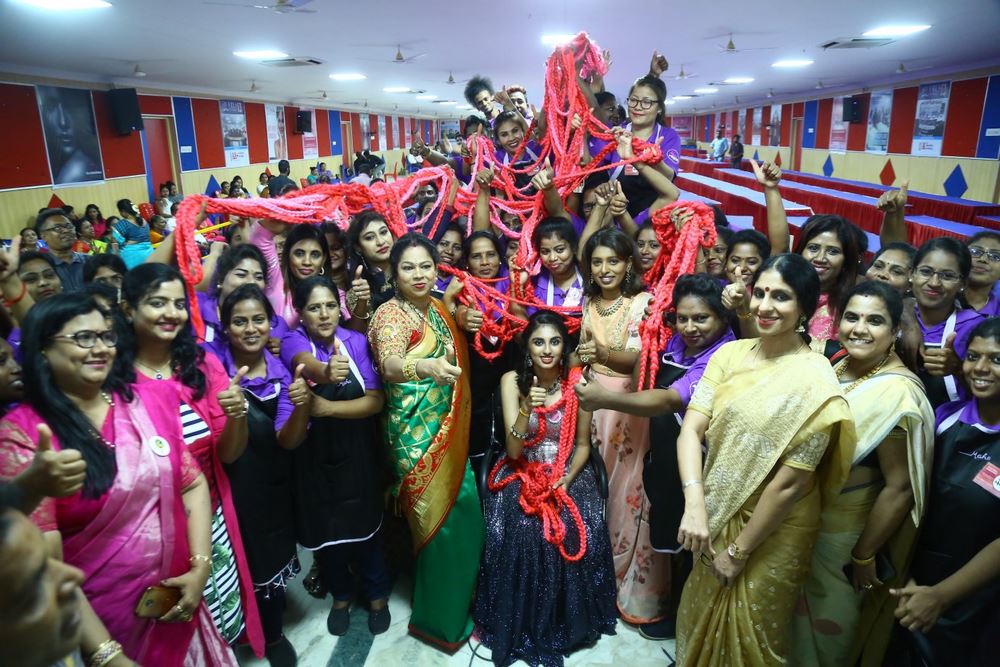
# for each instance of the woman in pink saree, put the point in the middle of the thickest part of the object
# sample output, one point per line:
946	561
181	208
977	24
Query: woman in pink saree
142	518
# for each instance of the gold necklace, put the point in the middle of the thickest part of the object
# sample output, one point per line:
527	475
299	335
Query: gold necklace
843	369
415	311
610	310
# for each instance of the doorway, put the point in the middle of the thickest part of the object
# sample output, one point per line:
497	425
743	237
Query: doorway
795	145
159	153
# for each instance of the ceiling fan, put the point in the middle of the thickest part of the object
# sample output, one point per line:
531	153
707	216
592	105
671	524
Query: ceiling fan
684	75
452	81
278	6
730	47
400	60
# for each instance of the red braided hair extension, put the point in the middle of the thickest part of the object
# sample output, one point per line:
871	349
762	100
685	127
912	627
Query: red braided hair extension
537	497
678	256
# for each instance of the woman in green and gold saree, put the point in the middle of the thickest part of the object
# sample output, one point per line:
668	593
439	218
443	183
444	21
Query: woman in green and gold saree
426	425
779	437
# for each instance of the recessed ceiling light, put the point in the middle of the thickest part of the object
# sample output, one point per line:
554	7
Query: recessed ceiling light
895	30
706	91
263	54
449	103
426	97
66	4
464	106
348	76
556	39
396	89
682	97
669	102
784	64
739	79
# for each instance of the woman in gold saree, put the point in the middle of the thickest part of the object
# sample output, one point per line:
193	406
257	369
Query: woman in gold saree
779	437
866	534
426	427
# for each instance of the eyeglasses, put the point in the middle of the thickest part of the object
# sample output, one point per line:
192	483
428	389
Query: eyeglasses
61	227
88	339
641	105
991	255
927	273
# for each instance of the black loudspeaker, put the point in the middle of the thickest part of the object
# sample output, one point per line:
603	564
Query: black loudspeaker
125	114
303	122
852	110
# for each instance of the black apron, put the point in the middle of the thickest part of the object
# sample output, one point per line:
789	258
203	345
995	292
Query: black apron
263	488
661	476
486	423
337	494
962	518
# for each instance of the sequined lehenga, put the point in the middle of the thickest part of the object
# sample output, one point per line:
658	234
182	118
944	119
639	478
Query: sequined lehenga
532	604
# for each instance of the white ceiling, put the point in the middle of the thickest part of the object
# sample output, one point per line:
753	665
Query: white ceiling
187	45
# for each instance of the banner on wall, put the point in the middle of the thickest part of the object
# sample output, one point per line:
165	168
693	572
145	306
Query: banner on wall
310	142
879	112
382	143
451	129
740	125
838	127
71	142
719	124
682	126
274	118
932	107
758	121
774	126
234	133
366	130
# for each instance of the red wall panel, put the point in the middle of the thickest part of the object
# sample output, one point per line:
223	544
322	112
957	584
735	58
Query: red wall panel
765	130
122	155
823	119
856	132
294	139
734	120
155	105
21	136
355	137
256	132
390	133
965	114
786	124
208	133
373	131
904	112
322	130
798	110
747	129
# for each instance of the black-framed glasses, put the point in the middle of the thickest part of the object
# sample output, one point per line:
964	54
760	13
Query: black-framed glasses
61	227
927	273
88	339
641	105
991	255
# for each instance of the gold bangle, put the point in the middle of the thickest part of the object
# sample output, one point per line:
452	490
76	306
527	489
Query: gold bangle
744	317
200	558
523	413
410	370
105	653
862	562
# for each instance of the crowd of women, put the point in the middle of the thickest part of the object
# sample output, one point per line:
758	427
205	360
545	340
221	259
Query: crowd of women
809	480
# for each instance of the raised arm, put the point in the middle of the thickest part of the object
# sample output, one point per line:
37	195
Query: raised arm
893	205
769	175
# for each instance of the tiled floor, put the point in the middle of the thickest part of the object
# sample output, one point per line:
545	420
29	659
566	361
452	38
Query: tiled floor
305	625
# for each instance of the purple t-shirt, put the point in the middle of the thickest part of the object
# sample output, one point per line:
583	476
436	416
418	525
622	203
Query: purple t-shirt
551	294
694	366
666	137
275	381
961	322
352	344
967	410
529	155
578	223
208	304
992	307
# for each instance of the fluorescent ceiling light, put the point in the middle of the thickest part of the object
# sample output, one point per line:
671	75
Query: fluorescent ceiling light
792	63
449	103
705	91
463	106
263	54
669	102
396	89
739	79
348	76
895	30
556	39
682	97
426	97
66	4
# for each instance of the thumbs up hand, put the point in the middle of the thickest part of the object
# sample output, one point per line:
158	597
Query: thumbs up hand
536	395
942	361
52	474
590	393
231	399
444	370
298	390
360	287
894	201
589	350
337	367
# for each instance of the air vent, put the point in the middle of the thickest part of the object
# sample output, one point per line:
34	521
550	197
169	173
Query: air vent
856	43
292	62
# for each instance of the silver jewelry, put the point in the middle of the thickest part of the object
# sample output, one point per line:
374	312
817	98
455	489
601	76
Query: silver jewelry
690	482
157	373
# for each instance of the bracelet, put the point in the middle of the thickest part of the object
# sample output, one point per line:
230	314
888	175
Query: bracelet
200	558
744	317
517	434
105	653
862	562
410	370
246	409
368	316
690	482
18	298
523	413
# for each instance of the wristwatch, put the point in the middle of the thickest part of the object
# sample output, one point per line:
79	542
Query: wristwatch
736	553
